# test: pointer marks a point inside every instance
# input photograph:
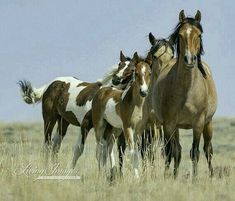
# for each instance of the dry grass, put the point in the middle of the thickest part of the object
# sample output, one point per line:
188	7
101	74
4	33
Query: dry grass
20	145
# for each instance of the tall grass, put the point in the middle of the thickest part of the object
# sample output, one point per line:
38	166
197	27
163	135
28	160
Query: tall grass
21	145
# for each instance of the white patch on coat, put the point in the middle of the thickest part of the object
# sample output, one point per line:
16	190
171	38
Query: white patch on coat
110	114
78	111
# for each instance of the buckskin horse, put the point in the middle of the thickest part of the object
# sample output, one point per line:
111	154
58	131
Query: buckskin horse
185	95
66	100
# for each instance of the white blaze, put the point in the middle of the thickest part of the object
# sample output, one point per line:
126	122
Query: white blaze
143	87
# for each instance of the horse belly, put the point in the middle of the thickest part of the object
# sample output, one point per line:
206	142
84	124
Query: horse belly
78	111
110	114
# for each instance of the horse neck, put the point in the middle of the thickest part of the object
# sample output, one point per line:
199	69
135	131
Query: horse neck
186	77
133	95
156	67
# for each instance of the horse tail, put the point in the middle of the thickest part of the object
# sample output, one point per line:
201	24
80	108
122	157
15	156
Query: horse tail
30	94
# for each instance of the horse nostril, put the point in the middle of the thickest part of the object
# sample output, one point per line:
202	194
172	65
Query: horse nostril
194	58
143	93
186	59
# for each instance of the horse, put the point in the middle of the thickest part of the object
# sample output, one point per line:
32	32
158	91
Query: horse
116	110
66	100
162	50
184	95
121	78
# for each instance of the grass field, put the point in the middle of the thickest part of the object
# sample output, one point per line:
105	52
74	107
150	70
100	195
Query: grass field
21	161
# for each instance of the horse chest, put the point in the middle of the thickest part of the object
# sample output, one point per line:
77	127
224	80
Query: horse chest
111	115
136	115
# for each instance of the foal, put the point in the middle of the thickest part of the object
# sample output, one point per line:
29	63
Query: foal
162	51
119	81
66	100
115	110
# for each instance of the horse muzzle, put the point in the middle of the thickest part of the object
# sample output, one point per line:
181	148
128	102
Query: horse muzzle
116	80
190	61
143	93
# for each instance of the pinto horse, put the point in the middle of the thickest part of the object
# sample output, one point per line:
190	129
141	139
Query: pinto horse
116	110
121	78
185	95
66	100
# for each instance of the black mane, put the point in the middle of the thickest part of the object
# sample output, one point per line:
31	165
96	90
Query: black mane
174	39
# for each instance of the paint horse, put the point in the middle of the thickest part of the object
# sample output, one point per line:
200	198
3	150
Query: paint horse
116	110
119	81
185	95
163	51
66	100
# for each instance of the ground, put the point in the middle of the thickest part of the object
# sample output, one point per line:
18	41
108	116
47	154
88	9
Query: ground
21	161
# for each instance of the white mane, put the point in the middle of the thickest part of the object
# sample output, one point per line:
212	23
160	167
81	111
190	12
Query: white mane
108	76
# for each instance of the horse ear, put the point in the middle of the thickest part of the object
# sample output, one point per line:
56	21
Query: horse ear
152	39
122	57
135	57
149	59
198	16
181	16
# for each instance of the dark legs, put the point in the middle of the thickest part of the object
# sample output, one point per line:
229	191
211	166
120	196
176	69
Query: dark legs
194	152
61	132
172	148
208	149
147	146
121	143
176	152
49	124
86	126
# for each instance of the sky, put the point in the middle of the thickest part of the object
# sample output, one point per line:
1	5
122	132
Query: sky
44	39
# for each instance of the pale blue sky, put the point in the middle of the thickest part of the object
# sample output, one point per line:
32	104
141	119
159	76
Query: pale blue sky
43	39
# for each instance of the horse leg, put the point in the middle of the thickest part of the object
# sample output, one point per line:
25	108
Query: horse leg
168	148
121	144
62	126
144	147
194	152
113	169
147	144
99	133
208	149
133	145
176	152
86	126
49	124
136	161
